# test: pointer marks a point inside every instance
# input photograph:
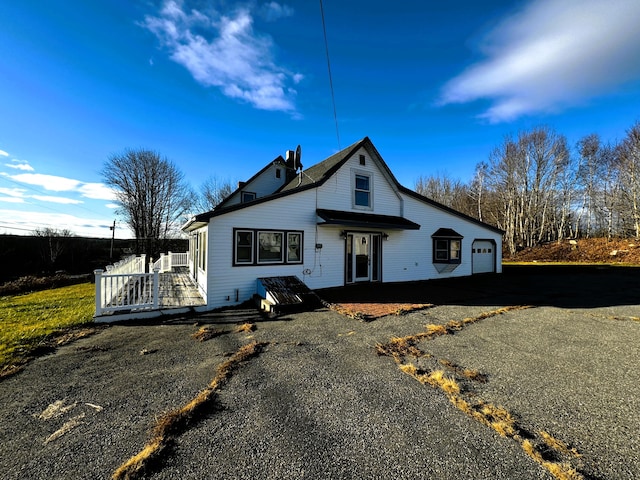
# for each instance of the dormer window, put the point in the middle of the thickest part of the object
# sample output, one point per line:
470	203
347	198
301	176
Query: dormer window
362	189
247	196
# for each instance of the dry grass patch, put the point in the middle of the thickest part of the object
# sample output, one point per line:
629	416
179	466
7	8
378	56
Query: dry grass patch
558	445
467	373
246	328
562	471
174	423
206	333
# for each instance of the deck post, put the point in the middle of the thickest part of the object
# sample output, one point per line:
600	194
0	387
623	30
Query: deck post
170	266
156	288
98	273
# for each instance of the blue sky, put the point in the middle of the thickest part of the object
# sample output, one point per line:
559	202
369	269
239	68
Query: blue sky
222	88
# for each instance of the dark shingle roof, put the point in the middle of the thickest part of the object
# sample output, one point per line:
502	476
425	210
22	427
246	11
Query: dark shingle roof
319	172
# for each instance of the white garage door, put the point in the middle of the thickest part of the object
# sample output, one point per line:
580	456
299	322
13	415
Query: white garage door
484	255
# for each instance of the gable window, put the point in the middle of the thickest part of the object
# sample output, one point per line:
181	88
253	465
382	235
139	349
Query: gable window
247	196
362	183
266	247
362	160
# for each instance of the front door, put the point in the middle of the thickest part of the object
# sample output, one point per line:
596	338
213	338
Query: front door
363	257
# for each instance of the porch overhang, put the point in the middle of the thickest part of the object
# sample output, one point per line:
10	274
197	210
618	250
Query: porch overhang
364	220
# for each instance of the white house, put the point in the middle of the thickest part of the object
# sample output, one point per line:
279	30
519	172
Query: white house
342	221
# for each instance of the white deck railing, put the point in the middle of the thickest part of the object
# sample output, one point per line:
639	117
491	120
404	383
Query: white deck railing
126	286
166	262
130	264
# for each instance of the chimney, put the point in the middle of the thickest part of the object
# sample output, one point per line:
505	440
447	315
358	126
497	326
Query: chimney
290	165
241	184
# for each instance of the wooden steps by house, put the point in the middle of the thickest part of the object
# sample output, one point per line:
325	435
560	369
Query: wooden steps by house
284	294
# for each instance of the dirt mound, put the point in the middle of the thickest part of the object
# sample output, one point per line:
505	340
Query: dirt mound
587	250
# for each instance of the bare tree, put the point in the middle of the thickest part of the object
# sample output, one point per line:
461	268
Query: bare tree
212	192
152	194
629	157
445	190
523	176
53	244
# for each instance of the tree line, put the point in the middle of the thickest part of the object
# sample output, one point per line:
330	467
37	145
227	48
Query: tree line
538	188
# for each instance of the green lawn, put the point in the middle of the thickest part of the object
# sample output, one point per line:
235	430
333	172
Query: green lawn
31	320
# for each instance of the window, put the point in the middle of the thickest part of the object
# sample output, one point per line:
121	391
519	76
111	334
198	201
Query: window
362	190
278	173
294	240
202	262
362	160
244	246
447	250
247	196
269	247
265	247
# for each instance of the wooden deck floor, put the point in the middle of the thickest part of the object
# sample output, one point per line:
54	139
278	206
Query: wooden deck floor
177	289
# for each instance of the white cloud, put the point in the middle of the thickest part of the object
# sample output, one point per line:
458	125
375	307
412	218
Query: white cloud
551	55
53	183
273	11
22	222
48	182
19	165
232	57
12	200
63	200
97	191
3	153
112	205
13	192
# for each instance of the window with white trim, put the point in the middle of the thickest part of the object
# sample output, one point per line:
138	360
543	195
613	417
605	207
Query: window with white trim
294	242
243	247
270	247
362	183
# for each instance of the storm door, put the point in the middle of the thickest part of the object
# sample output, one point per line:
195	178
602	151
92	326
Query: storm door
363	257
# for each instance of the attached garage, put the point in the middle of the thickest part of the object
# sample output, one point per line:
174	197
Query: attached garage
484	256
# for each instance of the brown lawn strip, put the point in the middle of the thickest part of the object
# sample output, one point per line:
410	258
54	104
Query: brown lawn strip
173	423
468	401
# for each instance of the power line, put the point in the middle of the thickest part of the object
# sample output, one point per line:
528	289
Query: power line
333	98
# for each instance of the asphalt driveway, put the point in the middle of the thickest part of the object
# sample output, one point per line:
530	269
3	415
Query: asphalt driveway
318	402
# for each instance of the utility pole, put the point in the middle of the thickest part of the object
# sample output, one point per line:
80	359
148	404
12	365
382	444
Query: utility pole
113	234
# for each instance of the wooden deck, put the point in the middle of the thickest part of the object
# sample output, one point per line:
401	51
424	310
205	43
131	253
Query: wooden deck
177	289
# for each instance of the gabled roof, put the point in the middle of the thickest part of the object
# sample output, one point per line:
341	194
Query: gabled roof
320	172
317	175
244	184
